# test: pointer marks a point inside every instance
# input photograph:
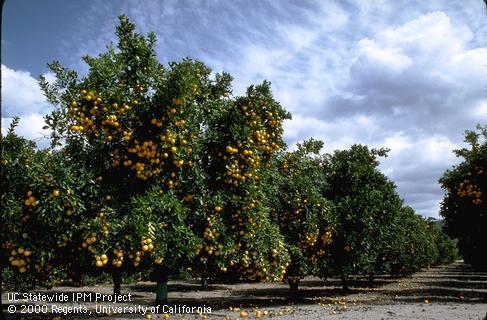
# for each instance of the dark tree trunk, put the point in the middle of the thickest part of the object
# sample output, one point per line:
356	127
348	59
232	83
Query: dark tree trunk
293	289
117	281
345	283
204	283
1	278
371	277
161	276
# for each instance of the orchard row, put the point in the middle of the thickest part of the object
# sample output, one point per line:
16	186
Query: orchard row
157	167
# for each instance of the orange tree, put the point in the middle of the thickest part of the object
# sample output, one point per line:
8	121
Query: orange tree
446	247
179	163
240	240
445	250
414	244
364	204
135	124
464	204
304	216
374	232
40	206
388	220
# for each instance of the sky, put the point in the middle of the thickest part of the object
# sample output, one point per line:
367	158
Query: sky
407	75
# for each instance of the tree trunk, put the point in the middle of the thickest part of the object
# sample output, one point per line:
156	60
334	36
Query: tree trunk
117	282
371	277
1	280
161	294
204	283
344	283
161	276
293	289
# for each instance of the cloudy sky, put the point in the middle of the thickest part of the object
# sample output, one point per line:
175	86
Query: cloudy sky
407	75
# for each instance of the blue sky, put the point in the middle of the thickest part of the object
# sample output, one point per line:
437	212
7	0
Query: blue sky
407	75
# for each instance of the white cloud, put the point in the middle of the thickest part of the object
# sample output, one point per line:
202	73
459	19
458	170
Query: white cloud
421	77
21	94
339	134
299	37
30	127
330	16
416	163
397	143
436	150
428	36
390	59
481	111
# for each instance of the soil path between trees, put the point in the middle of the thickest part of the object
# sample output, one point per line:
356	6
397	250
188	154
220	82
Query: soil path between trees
445	292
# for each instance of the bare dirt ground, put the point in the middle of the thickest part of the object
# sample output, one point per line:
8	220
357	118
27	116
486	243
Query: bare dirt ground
444	292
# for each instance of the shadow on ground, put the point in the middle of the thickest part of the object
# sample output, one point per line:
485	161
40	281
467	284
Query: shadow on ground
453	283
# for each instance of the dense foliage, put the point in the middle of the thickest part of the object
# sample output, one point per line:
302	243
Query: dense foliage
134	124
301	211
374	233
157	166
43	210
239	139
417	243
464	205
361	196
